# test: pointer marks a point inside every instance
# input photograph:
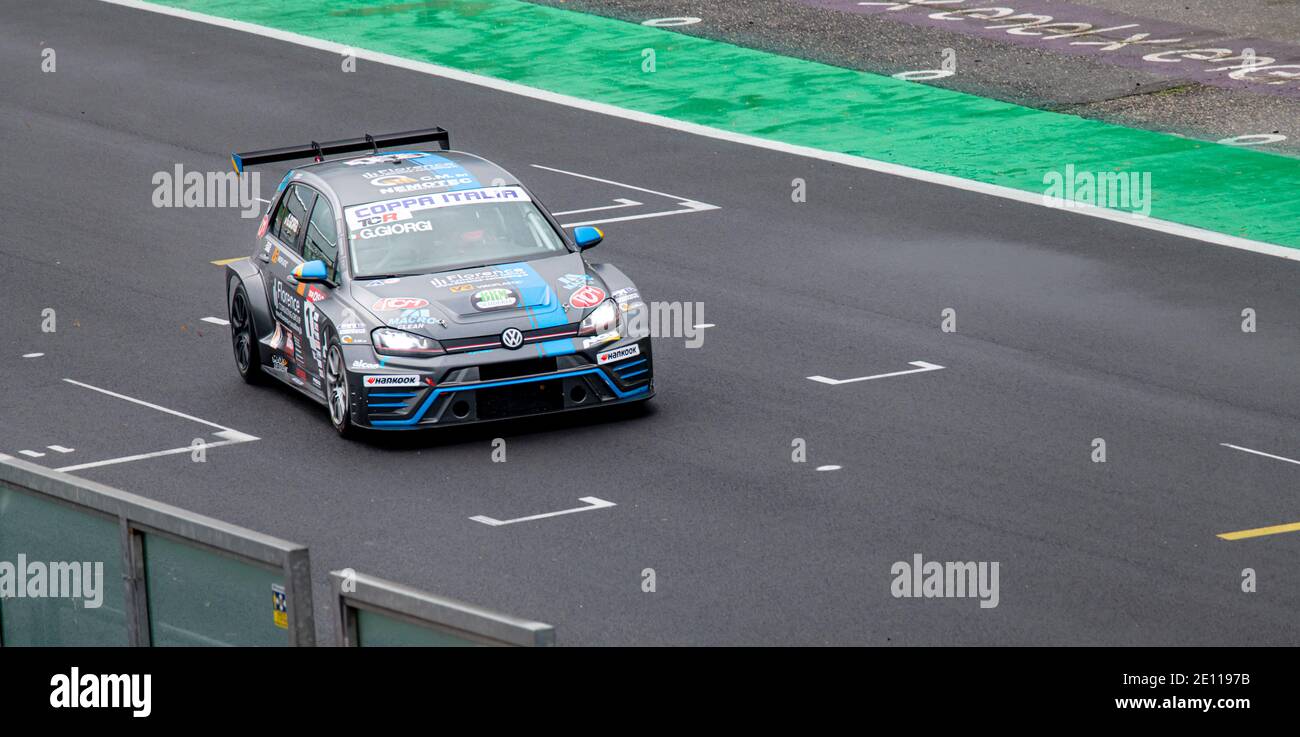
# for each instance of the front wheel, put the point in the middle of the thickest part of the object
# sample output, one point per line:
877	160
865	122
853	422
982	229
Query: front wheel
336	390
244	337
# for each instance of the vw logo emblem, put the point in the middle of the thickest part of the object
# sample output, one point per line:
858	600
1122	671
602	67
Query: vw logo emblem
511	338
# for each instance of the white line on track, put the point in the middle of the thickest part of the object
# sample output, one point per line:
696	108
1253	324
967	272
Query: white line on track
622	202
143	403
60	449
33	355
1260	453
688	205
216	321
514	88
230	437
921	367
591	502
32	454
227	435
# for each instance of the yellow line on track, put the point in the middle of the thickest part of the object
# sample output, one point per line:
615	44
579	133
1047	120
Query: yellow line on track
1260	531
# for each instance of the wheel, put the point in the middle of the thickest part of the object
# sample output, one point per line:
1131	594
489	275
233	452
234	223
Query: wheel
336	389
242	334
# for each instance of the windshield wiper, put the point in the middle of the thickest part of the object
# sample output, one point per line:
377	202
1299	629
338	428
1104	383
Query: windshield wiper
385	276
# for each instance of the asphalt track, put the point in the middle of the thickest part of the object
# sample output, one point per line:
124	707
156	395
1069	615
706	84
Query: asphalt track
1069	328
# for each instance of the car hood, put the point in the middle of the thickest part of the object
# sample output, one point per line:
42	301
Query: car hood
485	300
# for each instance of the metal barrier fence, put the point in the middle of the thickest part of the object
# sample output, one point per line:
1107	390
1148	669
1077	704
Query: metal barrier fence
374	612
188	579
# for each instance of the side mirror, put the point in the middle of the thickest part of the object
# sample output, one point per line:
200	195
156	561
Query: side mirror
587	237
312	272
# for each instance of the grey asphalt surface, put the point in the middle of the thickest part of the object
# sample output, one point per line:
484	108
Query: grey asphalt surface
1068	329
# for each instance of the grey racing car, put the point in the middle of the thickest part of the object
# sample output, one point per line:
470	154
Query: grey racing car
413	289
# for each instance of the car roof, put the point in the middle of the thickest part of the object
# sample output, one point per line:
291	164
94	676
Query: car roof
360	179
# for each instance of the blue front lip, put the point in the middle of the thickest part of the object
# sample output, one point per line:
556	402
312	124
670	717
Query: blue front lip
428	402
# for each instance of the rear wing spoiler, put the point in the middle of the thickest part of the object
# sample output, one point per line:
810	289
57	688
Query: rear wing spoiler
319	151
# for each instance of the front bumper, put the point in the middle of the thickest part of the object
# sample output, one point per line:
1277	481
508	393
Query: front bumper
466	388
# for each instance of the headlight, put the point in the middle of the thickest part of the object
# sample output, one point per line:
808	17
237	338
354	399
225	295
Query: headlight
601	320
391	342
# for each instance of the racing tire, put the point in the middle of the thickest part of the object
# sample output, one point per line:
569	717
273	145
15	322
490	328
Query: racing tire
244	338
337	396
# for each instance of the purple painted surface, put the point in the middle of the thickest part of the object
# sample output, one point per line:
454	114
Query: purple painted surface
1160	47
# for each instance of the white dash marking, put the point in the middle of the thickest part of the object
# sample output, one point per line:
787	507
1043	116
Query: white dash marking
591	502
60	449
216	321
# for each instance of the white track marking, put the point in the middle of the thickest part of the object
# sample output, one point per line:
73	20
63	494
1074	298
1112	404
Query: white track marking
227	435
1260	453
60	449
921	367
155	454
829	468
622	202
514	88
704	325
591	501
32	454
688	205
612	182
33	355
216	321
143	403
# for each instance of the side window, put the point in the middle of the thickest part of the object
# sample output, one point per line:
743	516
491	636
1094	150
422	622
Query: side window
322	241
291	215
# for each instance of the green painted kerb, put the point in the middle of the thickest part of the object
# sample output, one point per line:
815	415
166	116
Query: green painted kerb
1230	190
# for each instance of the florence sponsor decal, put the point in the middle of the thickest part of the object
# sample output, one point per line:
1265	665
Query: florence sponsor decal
389	304
392	380
618	354
587	296
466	280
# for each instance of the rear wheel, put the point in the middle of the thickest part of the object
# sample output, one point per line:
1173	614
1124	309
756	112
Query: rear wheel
336	390
247	360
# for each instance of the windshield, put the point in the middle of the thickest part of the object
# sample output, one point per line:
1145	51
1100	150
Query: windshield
422	234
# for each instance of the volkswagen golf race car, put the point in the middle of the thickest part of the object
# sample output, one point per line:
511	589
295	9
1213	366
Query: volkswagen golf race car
414	289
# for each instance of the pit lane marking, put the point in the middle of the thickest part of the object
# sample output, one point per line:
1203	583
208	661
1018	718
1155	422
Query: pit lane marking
228	435
591	503
921	367
686	204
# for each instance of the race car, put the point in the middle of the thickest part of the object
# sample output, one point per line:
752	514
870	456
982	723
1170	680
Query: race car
413	289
